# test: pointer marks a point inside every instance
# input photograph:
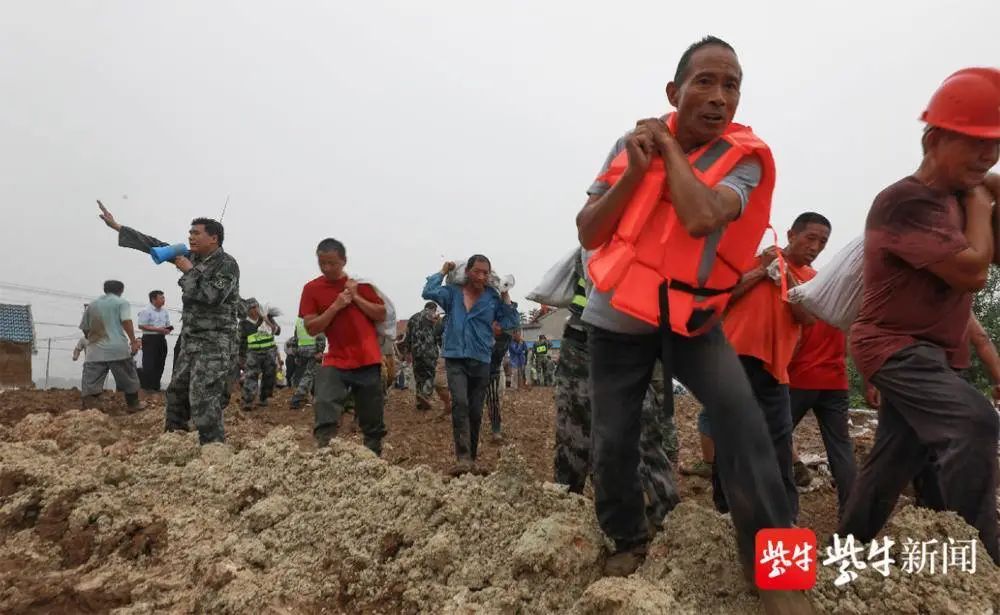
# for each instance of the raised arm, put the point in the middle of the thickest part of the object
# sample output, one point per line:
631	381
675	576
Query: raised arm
967	270
129	237
506	313
433	289
597	221
701	209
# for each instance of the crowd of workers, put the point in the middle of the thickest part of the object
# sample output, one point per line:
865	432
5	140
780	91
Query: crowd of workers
667	284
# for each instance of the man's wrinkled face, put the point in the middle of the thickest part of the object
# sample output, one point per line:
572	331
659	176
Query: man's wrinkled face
201	242
707	98
963	161
805	245
331	264
478	275
159	301
253	313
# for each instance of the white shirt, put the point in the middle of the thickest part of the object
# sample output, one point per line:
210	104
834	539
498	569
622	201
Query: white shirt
153	317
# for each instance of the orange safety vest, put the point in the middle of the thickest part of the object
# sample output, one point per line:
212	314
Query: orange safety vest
650	247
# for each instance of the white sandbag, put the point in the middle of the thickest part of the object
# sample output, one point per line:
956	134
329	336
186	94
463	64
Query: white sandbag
834	295
558	285
387	328
457	276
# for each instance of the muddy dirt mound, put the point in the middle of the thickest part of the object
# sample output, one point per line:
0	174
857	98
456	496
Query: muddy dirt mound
70	430
931	572
174	526
102	512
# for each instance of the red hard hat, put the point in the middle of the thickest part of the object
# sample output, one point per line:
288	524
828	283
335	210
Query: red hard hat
967	102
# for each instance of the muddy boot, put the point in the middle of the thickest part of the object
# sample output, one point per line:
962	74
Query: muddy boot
786	603
801	474
262	403
625	562
88	402
133	404
496	438
323	436
462	466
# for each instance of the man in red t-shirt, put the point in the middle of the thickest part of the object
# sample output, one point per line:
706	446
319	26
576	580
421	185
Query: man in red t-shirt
346	312
763	328
928	247
817	377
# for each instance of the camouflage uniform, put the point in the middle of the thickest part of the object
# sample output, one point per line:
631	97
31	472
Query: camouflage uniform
543	364
260	366
423	346
209	292
306	362
658	437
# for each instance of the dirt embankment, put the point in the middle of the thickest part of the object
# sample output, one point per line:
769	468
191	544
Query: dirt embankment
102	513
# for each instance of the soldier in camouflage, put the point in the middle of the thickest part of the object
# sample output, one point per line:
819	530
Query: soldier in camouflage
210	292
540	352
658	436
423	347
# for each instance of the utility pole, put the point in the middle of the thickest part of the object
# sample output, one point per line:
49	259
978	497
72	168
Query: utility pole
48	357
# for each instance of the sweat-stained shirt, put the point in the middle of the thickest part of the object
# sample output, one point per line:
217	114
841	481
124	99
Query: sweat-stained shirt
910	227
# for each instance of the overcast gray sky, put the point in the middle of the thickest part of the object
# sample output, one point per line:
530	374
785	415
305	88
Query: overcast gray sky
414	130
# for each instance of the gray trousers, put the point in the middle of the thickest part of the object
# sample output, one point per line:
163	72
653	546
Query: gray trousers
95	373
621	368
467	381
830	408
333	386
928	410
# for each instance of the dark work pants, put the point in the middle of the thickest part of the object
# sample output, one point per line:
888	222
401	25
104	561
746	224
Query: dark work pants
154	358
333	385
772	399
467	380
494	401
621	366
928	410
830	408
292	371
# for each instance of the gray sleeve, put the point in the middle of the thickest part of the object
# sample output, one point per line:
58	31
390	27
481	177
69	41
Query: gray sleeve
743	179
598	187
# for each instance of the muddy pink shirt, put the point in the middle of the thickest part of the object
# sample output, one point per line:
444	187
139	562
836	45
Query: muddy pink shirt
909	228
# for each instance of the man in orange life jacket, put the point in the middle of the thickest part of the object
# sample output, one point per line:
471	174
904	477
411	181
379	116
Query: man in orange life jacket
696	142
764	330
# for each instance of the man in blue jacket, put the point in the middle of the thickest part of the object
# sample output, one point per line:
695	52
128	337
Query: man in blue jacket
472	308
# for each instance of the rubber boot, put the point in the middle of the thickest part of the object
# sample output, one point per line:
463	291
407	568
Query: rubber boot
132	402
88	402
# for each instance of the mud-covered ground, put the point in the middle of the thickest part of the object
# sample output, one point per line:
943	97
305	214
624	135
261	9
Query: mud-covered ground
100	511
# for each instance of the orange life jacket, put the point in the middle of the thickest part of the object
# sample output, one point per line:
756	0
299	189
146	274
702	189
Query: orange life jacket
651	246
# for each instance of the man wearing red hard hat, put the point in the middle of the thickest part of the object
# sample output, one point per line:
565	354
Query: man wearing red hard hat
929	243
